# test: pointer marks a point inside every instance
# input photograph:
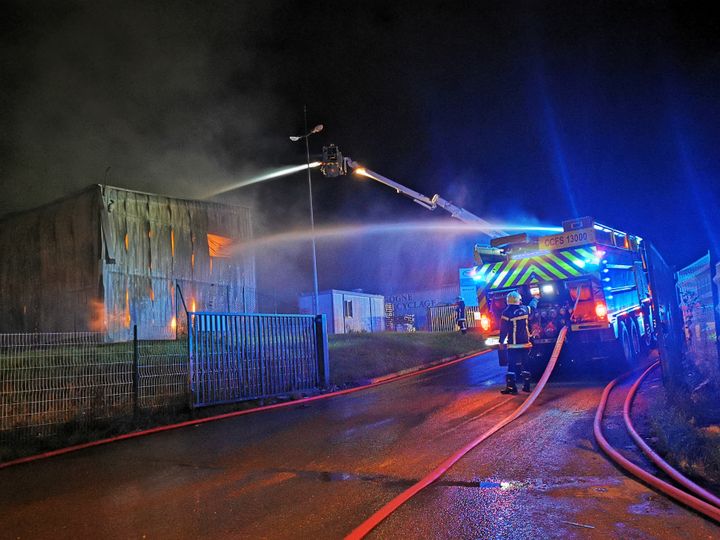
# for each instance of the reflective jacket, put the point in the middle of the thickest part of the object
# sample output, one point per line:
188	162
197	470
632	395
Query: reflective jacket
514	325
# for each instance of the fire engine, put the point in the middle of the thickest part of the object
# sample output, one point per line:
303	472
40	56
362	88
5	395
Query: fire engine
592	278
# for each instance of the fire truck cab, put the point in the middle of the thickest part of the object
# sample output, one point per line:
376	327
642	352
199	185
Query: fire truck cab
591	278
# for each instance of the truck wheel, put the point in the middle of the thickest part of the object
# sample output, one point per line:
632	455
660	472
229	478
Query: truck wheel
634	337
625	347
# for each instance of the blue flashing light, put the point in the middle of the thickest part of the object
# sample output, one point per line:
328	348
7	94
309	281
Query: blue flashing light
579	263
605	270
609	297
606	279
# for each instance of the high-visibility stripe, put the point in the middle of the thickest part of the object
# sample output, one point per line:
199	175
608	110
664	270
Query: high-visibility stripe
586	254
533	269
520	266
494	268
519	317
573	258
550	268
502	274
562	264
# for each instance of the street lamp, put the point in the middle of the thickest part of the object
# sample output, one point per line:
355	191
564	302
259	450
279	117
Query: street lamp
316	129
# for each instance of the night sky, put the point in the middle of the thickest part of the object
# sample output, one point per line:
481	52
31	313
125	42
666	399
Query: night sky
519	111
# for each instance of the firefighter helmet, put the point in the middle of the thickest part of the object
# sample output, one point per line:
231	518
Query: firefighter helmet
514	298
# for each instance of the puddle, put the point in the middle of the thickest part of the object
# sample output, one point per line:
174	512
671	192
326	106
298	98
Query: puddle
489	485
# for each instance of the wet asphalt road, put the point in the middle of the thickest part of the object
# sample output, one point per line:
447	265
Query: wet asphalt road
317	470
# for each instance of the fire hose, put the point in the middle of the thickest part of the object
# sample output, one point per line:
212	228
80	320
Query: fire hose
693	502
374	520
650	453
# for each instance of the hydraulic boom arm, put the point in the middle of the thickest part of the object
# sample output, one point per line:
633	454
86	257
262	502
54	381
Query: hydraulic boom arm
431	203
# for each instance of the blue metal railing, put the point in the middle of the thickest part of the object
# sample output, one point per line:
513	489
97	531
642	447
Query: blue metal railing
239	356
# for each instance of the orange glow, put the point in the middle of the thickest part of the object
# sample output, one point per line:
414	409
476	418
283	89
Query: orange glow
127	308
362	171
172	242
600	310
173	324
192	261
485	322
98	321
192	305
211	265
127	242
152	294
219	246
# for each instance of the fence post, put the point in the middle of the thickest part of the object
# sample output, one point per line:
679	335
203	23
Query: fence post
323	354
135	373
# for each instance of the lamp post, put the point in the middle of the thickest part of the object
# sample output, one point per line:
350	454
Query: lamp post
316	129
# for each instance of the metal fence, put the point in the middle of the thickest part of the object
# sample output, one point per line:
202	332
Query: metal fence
238	356
443	318
49	380
73	386
71	383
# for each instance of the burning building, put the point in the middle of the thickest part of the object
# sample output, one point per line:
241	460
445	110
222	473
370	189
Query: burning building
108	258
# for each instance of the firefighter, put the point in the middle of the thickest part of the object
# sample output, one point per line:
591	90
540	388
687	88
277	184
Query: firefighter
460	314
515	328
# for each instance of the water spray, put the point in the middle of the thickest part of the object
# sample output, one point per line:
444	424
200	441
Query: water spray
344	231
285	171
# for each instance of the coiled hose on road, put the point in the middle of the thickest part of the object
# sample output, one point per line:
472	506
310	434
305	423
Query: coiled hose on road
374	520
693	502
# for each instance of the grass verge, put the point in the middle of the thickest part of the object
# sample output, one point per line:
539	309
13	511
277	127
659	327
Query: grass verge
691	446
356	358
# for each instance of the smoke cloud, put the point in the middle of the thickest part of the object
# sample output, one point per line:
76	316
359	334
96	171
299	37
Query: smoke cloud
133	94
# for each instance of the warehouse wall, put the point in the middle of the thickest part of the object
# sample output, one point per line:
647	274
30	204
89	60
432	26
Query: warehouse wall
49	266
156	242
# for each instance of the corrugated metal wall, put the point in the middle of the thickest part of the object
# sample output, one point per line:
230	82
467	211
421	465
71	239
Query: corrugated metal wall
110	258
49	267
157	241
